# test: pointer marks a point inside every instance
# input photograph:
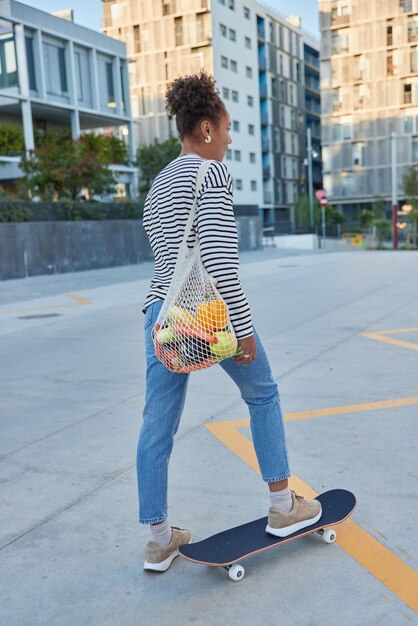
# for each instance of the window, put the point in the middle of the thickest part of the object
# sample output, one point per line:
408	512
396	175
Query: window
31	63
137	39
246	13
406	5
407	94
414	59
389	65
283	90
178	31
253	185
250	101
222	30
237	154
281	37
274	87
251	129
110	85
293	144
407	124
229	155
224	62
238	183
232	34
415	149
225	93
389	35
249	72
340	41
222	2
234	96
56	73
231	4
248	42
358	154
292	119
235	126
291	94
413	28
252	157
234	66
298	72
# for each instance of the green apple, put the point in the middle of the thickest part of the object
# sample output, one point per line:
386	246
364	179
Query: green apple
166	335
226	345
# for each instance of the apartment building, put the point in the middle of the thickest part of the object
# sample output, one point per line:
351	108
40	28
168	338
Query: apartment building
57	74
257	58
369	89
313	107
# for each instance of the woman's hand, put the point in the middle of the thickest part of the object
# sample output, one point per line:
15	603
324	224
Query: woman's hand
249	351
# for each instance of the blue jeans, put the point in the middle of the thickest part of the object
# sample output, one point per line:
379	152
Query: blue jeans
164	401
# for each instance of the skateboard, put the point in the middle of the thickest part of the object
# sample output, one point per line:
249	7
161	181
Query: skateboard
225	549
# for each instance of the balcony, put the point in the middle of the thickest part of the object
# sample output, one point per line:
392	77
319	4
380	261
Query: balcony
340	20
266	172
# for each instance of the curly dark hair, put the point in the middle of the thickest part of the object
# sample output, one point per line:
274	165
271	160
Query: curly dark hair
191	99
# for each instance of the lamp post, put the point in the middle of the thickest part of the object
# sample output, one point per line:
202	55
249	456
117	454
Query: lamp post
310	181
311	154
393	143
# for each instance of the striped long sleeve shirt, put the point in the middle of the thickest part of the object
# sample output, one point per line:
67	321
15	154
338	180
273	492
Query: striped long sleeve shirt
166	210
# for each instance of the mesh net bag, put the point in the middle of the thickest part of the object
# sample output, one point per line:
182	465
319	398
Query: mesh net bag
193	330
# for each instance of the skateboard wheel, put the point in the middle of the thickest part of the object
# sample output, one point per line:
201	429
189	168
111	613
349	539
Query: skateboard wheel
236	572
329	535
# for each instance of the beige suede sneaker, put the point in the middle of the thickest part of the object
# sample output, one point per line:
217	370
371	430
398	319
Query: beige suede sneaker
303	513
158	558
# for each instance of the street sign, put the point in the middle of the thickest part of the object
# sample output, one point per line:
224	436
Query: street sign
321	196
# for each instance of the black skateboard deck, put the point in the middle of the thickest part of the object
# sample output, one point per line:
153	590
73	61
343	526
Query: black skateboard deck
232	545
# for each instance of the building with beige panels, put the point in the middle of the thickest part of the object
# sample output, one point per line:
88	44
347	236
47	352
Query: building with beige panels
369	90
257	58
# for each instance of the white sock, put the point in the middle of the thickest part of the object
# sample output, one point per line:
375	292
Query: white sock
282	500
161	533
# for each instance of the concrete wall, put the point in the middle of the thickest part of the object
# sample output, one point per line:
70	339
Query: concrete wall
33	248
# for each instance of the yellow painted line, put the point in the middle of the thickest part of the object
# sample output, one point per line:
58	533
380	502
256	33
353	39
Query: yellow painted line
380	336
351	408
74	297
395	342
78	299
392	572
395	331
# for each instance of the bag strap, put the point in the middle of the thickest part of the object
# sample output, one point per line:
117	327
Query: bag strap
201	173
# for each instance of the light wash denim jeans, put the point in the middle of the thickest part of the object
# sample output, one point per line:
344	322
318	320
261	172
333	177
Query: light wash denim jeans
164	401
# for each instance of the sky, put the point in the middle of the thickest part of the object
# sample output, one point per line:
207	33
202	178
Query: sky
89	12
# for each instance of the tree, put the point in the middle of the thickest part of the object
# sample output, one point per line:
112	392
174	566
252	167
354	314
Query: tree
11	140
410	185
302	212
375	217
61	167
153	158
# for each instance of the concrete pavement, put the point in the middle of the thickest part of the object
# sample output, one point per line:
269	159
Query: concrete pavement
72	388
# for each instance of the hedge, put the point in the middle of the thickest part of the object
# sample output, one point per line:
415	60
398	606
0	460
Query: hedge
26	211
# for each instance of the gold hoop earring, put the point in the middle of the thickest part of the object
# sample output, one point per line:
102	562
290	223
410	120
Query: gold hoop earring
208	139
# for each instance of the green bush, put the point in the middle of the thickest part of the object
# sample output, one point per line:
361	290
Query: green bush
25	211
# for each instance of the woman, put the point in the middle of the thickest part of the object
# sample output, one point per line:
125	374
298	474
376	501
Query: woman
203	125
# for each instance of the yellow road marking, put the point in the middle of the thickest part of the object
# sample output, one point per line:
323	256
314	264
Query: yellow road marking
78	299
351	408
396	575
380	336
